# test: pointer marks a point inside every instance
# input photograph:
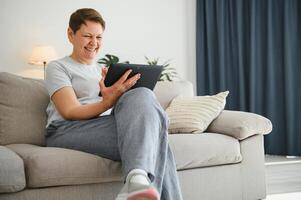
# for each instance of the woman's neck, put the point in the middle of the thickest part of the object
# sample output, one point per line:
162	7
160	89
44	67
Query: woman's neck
80	61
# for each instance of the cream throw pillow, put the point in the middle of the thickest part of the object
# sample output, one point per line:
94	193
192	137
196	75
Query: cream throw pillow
194	114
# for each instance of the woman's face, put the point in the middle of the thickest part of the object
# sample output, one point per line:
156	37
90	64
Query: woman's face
86	42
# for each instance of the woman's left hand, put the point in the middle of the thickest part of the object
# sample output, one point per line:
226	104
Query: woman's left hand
104	71
111	94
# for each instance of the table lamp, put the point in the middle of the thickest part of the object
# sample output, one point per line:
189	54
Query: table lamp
41	55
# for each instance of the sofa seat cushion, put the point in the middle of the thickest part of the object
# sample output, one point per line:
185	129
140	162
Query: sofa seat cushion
12	176
203	150
50	166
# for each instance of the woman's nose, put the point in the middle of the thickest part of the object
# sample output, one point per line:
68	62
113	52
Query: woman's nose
94	41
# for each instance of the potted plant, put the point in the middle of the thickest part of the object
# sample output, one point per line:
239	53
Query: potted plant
168	73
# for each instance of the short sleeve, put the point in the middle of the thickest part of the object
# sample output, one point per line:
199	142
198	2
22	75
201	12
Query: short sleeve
57	77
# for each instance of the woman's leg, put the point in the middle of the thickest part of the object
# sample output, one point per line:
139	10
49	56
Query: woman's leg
96	136
143	143
171	186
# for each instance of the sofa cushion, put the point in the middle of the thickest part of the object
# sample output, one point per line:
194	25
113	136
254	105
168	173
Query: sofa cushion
12	176
203	150
194	114
23	104
165	91
50	166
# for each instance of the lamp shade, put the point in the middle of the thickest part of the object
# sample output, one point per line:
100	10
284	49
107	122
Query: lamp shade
41	54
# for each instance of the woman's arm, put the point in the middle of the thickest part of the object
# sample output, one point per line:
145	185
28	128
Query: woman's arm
70	108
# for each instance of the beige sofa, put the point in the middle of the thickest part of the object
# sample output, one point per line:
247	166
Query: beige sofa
226	162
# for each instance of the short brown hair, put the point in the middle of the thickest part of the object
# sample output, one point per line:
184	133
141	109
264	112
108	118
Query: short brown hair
82	15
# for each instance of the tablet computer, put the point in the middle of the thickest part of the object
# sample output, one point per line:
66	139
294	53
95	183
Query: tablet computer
149	74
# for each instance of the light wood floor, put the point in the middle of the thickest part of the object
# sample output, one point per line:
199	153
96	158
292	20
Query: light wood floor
285	196
283	177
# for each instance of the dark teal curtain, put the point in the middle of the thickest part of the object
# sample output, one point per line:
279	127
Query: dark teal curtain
253	49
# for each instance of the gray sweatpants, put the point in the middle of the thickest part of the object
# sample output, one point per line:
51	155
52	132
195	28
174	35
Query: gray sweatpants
135	134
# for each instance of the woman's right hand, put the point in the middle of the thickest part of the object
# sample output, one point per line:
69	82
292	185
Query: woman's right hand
111	94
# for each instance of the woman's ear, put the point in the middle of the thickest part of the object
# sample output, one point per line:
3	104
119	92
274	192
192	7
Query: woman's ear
70	34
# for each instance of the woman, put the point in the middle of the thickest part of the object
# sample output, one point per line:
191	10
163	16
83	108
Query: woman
135	132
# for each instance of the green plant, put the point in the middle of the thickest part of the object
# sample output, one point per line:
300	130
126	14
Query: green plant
109	59
168	73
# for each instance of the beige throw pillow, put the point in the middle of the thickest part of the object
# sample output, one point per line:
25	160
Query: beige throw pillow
194	114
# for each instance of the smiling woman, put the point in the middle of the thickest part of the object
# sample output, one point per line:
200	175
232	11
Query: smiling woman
135	132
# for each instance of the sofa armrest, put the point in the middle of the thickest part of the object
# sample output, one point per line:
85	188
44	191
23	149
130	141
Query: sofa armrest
240	124
12	175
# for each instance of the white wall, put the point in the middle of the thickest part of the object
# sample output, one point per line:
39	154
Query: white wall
135	28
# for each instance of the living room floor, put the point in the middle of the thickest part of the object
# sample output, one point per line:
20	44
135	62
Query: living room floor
283	177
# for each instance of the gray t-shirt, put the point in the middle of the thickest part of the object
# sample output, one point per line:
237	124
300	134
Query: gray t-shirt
84	79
